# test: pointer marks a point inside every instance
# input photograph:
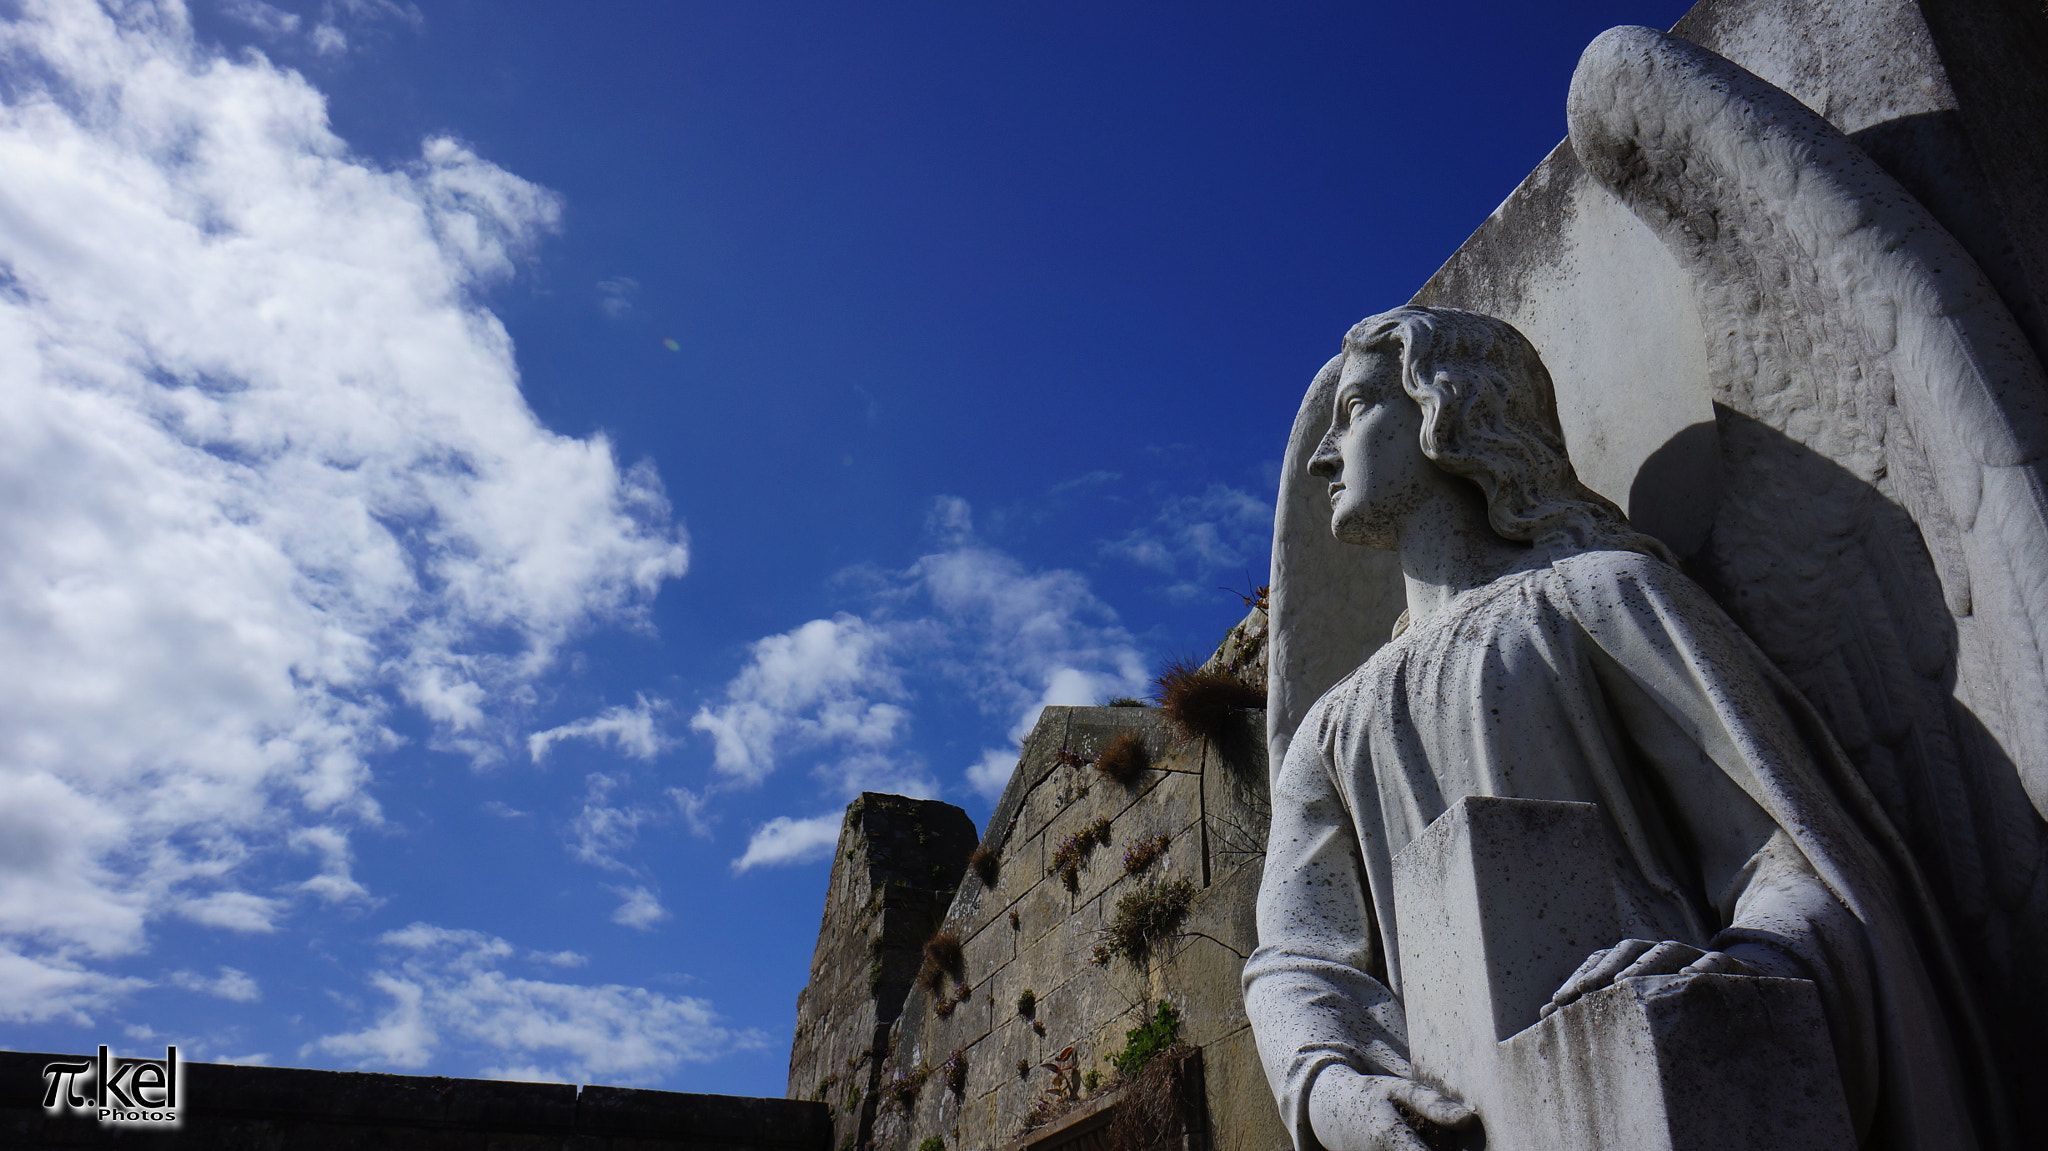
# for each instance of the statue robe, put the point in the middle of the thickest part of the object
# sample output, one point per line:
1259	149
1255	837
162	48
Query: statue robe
1611	678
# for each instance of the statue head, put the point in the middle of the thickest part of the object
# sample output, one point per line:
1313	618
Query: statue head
1488	414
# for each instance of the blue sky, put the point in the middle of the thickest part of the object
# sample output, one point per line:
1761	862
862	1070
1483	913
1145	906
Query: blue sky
486	482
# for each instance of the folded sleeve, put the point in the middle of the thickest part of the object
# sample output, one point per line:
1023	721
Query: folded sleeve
1307	989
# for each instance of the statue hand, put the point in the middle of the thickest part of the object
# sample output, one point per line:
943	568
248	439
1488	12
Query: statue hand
1633	957
1354	1112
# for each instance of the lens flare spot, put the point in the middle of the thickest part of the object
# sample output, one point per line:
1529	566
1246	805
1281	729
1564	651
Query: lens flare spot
671	345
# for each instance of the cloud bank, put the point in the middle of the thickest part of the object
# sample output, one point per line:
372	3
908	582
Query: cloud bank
266	478
447	989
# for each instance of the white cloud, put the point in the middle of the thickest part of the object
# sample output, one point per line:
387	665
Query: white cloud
641	910
230	984
260	16
327	40
990	774
446	992
559	958
783	840
1223	533
605	832
827	682
235	911
970	620
336	882
615	296
635	731
1025	640
266	475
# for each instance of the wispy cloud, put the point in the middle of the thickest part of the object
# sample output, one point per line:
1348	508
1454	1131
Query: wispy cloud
634	731
783	840
229	984
269	479
449	1000
639	908
1222	533
966	623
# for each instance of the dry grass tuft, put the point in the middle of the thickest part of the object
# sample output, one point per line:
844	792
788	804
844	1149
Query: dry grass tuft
984	864
1149	1109
942	957
1145	918
1204	703
1125	760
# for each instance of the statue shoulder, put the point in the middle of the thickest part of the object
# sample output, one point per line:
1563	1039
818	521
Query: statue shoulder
1606	589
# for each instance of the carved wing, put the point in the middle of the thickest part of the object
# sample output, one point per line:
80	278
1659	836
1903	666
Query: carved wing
1883	532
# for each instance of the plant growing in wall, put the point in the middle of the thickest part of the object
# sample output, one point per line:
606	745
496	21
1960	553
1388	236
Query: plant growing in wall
1140	855
954	1072
1027	1003
1145	918
1146	1040
1125	760
899	1093
1204	704
942	957
1074	850
986	867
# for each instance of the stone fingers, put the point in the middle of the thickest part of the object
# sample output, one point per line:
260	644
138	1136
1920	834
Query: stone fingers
1600	969
1432	1104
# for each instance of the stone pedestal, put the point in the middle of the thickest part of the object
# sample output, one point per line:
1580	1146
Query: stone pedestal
1500	900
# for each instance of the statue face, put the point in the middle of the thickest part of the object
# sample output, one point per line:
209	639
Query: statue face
1372	454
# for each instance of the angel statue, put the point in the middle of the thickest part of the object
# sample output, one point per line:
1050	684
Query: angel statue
1812	745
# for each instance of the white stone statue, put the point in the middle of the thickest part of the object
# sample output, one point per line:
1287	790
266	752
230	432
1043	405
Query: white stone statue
1834	785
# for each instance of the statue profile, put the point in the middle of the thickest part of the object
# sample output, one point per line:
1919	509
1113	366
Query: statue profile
1551	651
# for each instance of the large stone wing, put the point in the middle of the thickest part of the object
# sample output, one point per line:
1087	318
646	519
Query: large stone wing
1883	532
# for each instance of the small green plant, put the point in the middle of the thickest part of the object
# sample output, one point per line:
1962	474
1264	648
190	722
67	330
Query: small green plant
932	1143
1027	1003
1125	760
1141	1043
1144	918
1023	1068
1038	1027
1016	924
1140	855
875	977
1126	701
954	1072
1092	1080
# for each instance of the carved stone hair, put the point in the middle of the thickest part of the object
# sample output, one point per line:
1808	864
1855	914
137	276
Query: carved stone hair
1489	414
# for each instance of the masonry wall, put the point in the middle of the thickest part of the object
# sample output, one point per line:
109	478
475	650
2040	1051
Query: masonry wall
230	1108
1210	803
894	873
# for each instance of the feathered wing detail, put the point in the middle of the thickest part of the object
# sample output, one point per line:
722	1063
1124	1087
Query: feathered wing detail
1883	532
1333	604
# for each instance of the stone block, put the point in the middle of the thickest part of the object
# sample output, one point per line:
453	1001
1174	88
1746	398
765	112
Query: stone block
1500	901
1680	1063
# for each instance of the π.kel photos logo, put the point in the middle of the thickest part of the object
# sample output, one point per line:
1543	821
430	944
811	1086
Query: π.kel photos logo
120	1092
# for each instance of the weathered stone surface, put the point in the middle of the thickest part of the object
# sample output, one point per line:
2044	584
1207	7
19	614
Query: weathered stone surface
1213	812
896	868
1487	932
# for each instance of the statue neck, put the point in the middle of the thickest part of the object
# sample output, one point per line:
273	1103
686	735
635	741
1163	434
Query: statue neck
1447	547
